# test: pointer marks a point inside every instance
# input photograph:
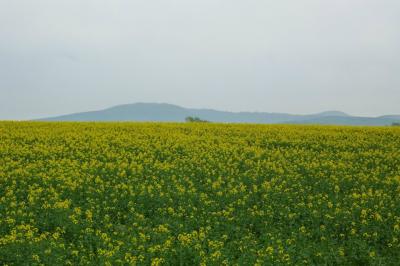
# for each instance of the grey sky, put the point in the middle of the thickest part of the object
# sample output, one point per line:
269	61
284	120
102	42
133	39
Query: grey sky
306	56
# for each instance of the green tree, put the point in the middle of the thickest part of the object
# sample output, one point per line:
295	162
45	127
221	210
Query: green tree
192	119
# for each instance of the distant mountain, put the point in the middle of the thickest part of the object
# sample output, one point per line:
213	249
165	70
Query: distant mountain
331	113
172	113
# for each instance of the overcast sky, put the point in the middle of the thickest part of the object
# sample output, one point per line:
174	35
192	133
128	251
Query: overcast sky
64	56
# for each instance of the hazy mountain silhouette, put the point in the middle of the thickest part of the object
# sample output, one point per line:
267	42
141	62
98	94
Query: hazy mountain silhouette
172	113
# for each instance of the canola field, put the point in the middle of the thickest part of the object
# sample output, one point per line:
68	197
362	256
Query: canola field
198	194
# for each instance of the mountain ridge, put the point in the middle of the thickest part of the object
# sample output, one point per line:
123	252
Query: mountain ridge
164	112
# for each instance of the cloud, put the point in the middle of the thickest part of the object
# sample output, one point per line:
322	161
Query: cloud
287	56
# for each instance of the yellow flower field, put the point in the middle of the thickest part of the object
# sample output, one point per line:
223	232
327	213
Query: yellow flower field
198	194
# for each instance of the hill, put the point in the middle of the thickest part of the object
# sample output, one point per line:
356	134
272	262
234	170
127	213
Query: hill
163	112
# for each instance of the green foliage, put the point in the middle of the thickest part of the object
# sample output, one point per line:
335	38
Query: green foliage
195	120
